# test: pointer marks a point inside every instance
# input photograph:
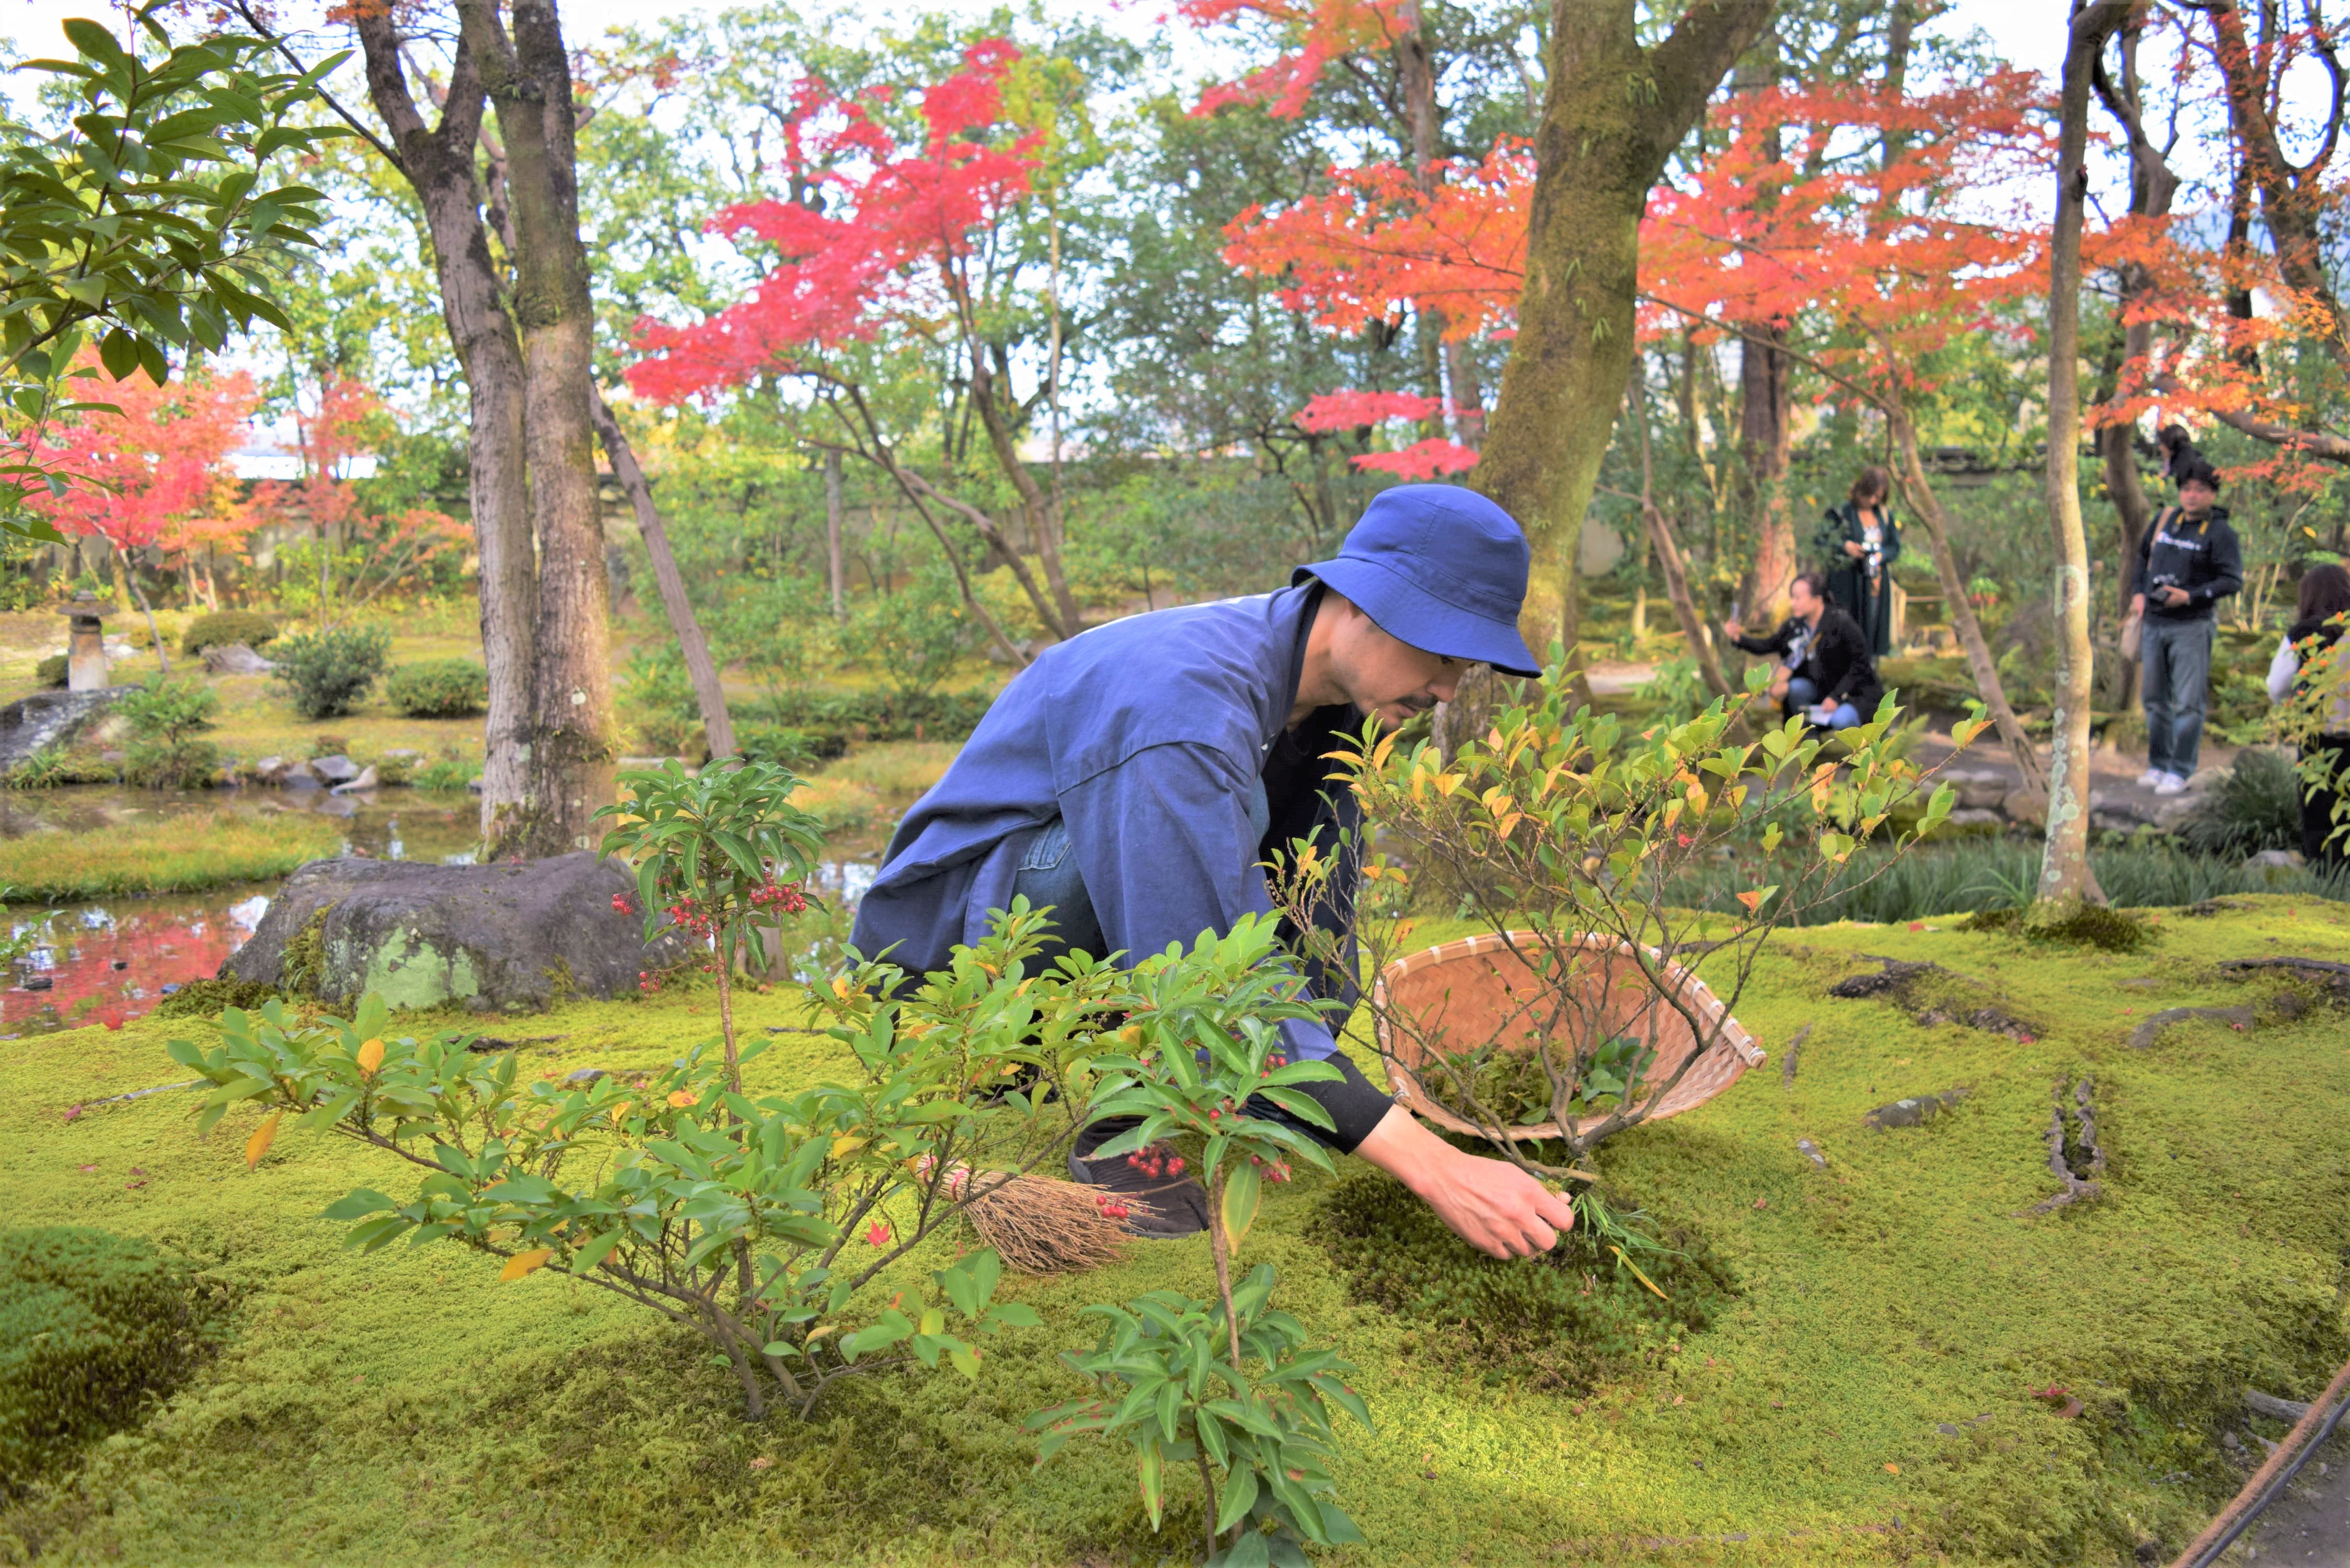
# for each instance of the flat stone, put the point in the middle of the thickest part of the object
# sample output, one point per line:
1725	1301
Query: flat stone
2146	1034
336	769
1810	1151
1974	819
1978	789
365	779
267	769
519	935
2278	859
402	752
234	659
48	719
298	775
1913	1113
474	783
585	1076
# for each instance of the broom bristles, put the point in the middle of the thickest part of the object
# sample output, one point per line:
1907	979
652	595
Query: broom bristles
1041	1226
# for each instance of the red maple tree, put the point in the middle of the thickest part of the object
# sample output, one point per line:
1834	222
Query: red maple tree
157	467
887	235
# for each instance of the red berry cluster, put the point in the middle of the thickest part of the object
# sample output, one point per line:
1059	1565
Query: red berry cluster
689	916
623	903
1110	1208
1157	1162
787	898
1273	1170
647	982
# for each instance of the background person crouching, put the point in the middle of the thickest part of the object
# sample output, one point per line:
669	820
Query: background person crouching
1824	671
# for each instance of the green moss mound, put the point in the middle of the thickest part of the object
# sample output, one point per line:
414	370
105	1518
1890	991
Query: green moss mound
207	998
223	627
93	1329
2098	926
1566	1321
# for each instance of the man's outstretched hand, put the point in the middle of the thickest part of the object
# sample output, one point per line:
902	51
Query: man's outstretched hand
1489	1203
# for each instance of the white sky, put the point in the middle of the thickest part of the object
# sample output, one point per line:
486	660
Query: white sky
2029	33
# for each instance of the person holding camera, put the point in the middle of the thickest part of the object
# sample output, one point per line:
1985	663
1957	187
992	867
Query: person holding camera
2188	561
1861	543
1824	672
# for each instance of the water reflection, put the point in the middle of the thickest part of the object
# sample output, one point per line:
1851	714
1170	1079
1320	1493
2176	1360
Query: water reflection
111	960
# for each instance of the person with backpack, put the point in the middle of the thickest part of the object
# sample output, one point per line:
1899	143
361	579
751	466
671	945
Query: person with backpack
2304	661
2188	561
1860	542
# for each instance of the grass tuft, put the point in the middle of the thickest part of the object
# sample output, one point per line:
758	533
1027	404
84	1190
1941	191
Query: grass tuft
174	854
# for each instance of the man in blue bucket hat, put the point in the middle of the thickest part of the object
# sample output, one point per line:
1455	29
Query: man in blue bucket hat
1135	777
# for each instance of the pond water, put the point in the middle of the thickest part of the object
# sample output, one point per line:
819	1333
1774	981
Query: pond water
108	960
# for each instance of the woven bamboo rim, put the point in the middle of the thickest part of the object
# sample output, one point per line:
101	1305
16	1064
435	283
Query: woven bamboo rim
1720	1063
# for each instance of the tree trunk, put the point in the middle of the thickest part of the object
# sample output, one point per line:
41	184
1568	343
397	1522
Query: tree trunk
527	78
1993	692
1059	612
717	724
2152	186
1765	443
1602	145
438	163
2064	873
838	577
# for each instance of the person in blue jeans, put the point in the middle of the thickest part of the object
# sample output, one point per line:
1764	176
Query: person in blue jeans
1136	776
2188	561
1824	671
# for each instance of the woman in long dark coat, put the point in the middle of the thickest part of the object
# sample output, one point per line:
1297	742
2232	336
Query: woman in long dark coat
1860	543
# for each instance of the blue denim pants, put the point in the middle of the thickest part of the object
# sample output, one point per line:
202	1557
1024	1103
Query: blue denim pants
2178	655
1802	694
1048	877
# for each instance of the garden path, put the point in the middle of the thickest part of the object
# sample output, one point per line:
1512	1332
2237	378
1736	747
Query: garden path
2309	1526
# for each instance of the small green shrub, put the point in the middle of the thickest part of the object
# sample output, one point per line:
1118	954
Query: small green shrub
93	1329
168	711
2255	805
327	673
445	773
171	765
439	688
223	627
777	743
51	671
1567	1319
830	722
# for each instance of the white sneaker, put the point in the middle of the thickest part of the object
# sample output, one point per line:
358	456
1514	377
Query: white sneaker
2151	777
2171	784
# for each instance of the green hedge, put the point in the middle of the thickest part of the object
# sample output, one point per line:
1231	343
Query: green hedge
439	688
93	1328
221	627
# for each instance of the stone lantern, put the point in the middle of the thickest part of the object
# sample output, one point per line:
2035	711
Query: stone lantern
86	643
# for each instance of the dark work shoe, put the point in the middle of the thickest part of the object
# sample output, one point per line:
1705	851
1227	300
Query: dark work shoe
1178	1203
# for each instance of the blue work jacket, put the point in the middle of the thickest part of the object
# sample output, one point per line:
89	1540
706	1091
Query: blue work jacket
1147	737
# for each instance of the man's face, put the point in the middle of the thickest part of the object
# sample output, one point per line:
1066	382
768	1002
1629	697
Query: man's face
1384	676
1804	602
2195	497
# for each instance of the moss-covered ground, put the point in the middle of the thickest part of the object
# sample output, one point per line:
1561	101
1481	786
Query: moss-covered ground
1866	1397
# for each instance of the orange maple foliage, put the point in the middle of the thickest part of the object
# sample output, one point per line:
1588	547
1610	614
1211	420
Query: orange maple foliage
1796	218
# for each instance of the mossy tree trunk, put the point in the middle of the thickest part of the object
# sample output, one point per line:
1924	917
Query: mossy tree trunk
1613	112
2064	873
526	75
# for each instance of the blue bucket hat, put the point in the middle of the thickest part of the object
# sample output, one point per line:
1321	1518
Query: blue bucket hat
1440	568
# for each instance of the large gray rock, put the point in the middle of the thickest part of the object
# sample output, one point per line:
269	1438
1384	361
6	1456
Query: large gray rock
49	719
514	936
336	769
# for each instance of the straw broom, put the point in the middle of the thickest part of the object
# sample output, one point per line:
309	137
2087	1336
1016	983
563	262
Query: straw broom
1043	1226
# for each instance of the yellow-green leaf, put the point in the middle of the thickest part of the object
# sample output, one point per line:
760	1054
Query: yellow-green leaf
1242	1187
522	1263
258	1144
